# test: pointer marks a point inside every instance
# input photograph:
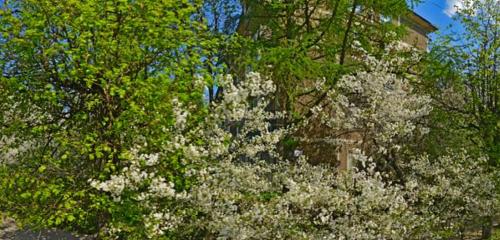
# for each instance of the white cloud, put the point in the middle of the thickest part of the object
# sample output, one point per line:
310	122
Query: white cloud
452	6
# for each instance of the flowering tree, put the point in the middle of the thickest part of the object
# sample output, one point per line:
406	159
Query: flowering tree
464	83
375	109
105	131
242	188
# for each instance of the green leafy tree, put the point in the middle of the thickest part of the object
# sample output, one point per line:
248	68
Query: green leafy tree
301	42
83	83
465	71
463	79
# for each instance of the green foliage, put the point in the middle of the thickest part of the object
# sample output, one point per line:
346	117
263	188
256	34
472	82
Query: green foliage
462	77
84	82
302	42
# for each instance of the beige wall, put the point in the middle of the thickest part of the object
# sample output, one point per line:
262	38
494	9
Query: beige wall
416	39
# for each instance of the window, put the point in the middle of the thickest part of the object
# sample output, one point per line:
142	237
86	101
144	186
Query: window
385	19
358	9
351	162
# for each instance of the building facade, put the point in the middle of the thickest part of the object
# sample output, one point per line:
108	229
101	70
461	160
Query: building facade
418	30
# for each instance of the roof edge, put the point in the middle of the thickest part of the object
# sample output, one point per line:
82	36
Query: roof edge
431	26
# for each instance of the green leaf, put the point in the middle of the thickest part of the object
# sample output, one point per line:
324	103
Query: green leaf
42	169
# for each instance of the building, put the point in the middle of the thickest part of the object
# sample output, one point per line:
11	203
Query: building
418	30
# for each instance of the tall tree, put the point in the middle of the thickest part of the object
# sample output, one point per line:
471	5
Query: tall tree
464	81
466	71
86	81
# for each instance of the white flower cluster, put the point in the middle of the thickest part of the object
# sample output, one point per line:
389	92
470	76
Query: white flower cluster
243	105
454	190
242	116
301	201
159	222
240	194
180	115
378	103
14	145
11	148
134	176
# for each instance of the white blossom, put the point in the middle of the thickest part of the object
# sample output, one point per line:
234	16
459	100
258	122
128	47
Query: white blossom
244	188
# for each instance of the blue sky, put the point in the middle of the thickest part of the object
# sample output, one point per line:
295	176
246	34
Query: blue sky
439	13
